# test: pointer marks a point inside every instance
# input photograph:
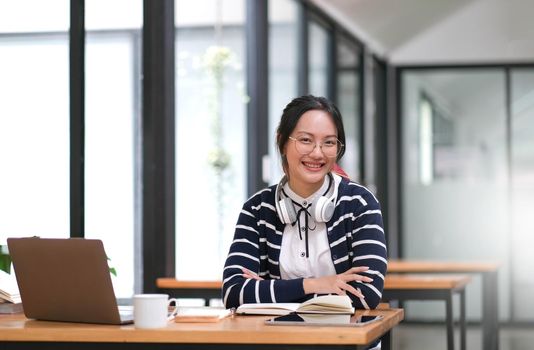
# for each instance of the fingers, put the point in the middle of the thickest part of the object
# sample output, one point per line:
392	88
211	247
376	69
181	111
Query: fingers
356	292
338	284
355	277
357	269
343	288
352	274
251	275
340	291
246	272
359	278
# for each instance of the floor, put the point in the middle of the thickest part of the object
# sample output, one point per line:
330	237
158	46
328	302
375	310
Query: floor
416	336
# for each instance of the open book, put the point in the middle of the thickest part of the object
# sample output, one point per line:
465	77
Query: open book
9	290
324	304
10	301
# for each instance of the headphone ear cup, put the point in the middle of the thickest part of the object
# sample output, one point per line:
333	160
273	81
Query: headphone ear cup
324	209
287	211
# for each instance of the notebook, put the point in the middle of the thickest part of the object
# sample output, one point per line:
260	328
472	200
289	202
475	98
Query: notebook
65	280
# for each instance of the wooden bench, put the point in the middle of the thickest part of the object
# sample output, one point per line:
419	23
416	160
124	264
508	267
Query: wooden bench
396	287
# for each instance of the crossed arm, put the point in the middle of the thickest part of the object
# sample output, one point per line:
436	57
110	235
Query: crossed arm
334	284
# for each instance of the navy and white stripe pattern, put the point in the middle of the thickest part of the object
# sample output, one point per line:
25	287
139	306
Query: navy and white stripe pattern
356	238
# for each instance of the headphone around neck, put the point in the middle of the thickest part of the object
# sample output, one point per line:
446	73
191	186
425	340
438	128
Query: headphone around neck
324	206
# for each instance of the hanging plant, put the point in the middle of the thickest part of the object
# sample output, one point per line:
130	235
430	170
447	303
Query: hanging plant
216	61
219	159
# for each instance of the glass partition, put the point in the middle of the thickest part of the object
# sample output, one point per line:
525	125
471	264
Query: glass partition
112	121
317	51
210	133
110	150
349	102
454	173
522	194
283	38
26	16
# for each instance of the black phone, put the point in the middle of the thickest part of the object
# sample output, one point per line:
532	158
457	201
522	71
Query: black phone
296	319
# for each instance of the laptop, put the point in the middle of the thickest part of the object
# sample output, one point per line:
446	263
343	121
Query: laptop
65	280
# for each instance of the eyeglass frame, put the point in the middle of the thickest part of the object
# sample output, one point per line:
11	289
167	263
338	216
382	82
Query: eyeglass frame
320	143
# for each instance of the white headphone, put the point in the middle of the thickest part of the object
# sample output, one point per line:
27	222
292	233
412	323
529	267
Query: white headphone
324	206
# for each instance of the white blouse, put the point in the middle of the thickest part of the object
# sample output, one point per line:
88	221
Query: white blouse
293	261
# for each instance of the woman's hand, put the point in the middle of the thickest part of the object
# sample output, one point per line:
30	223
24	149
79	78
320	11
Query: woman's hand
338	284
250	274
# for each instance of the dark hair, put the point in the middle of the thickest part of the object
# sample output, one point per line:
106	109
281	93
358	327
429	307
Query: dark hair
295	109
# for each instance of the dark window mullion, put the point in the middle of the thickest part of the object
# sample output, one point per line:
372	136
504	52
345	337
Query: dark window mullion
258	91
158	193
362	114
303	55
381	135
332	66
77	117
398	145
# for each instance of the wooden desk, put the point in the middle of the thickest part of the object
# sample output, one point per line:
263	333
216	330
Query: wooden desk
396	287
237	332
490	300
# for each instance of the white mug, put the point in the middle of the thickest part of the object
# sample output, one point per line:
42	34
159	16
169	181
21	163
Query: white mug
151	310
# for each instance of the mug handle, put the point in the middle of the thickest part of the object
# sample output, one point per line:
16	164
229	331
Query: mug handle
174	312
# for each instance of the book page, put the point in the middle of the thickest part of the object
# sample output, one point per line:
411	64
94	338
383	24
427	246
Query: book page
9	290
267	308
340	304
325	304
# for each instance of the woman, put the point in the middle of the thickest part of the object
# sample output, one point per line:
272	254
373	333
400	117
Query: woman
313	233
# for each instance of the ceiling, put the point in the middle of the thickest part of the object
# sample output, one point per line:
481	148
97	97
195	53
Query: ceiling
440	31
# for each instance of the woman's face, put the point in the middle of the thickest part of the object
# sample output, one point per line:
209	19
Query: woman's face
307	171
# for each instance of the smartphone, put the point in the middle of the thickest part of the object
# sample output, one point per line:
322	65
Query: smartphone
295	319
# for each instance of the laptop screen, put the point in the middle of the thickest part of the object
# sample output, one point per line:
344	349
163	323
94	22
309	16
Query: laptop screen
64	279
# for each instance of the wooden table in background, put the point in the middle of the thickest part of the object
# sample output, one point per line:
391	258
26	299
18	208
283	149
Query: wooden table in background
490	300
190	289
237	332
405	287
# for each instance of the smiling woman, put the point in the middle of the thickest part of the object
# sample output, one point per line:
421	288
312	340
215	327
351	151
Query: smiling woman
314	232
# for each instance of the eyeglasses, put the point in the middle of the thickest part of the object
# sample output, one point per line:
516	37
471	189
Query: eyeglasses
331	147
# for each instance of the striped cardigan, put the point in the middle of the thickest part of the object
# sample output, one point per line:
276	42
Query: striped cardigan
356	238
